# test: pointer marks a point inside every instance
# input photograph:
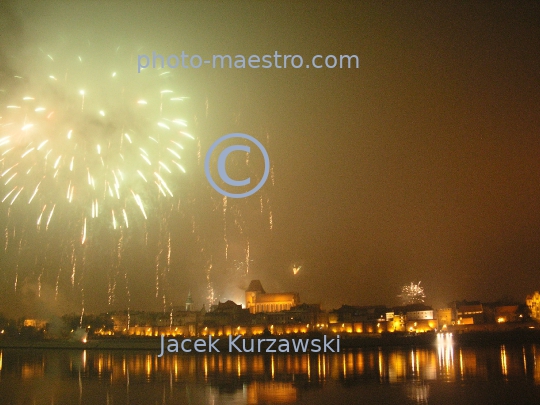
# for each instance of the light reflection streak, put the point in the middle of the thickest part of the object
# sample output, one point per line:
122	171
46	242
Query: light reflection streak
382	369
445	349
205	368
148	365
504	367
461	362
80	388
309	367
524	361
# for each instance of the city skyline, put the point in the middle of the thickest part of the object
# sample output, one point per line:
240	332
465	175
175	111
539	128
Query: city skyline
422	164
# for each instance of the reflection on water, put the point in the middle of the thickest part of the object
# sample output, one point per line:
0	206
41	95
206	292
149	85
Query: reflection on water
408	375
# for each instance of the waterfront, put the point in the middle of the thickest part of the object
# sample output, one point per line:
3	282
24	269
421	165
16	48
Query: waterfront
442	373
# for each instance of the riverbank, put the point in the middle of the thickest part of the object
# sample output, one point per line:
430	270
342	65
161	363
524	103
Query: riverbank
347	341
120	343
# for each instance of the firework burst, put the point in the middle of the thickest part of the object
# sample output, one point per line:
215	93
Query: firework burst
104	151
412	294
86	149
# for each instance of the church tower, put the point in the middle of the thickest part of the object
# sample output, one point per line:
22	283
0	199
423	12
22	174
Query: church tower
189	302
255	288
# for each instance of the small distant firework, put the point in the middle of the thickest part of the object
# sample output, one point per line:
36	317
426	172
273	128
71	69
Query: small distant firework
412	294
296	266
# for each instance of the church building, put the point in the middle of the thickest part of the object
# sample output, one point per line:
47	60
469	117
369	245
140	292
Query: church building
258	300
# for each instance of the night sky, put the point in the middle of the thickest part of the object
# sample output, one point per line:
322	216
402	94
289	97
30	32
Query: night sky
422	164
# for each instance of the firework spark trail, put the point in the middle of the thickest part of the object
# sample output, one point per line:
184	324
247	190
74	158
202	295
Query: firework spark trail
73	266
112	282
272	178
225	227
210	298
247	257
166	268
82	280
82	310
56	287
145	235
157	272
238	219
128	294
110	292
169	254
83	238
270	215
17	265
43	263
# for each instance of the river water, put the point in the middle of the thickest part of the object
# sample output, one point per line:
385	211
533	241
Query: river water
441	374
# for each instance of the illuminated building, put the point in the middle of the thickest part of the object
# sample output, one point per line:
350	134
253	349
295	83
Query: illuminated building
309	315
444	318
468	313
415	312
533	302
359	319
413	318
397	322
351	314
420	326
258	300
507	313
35	323
176	322
420	315
227	313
